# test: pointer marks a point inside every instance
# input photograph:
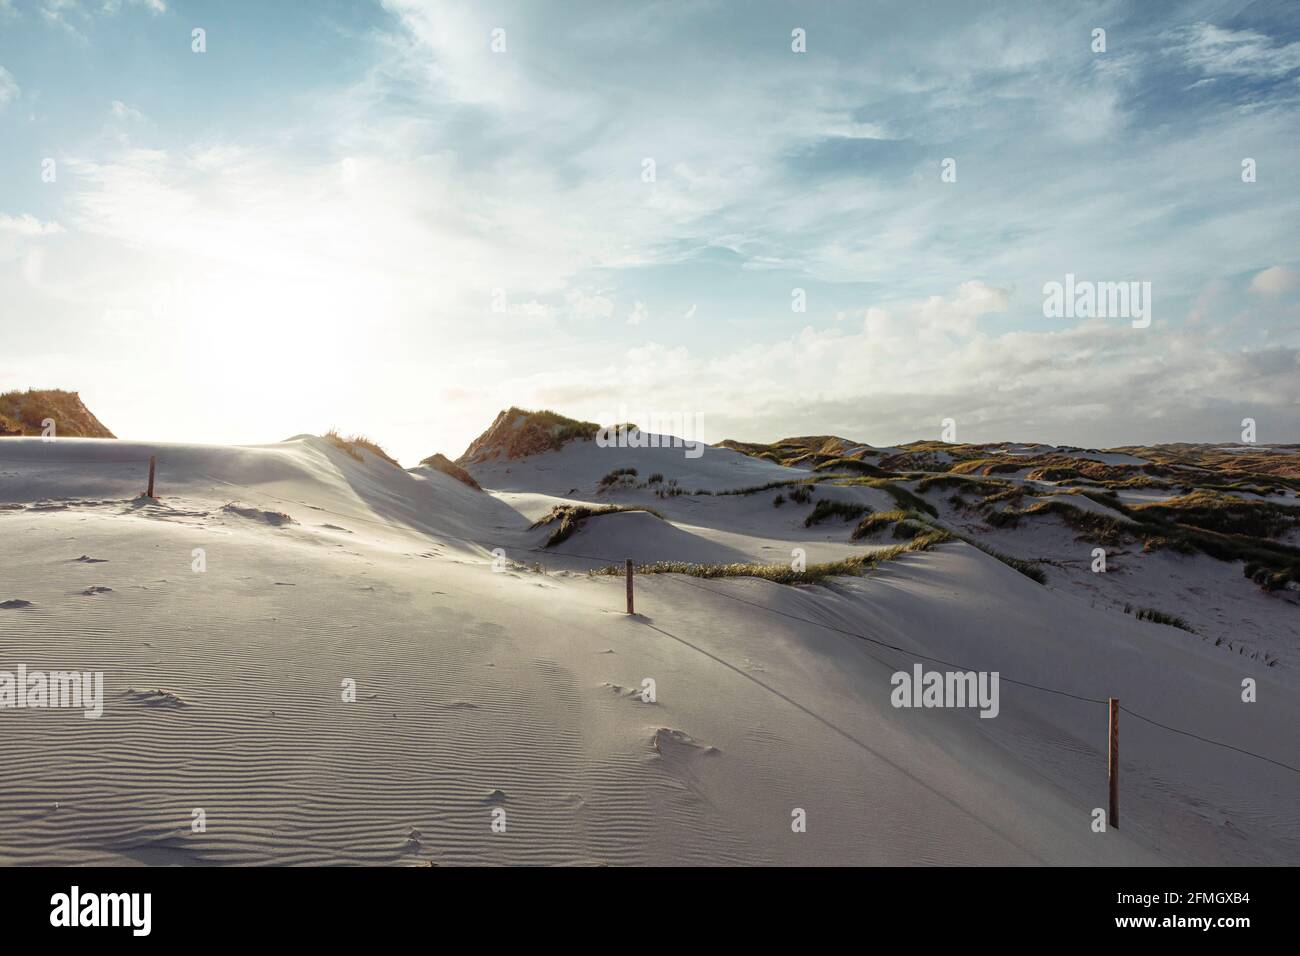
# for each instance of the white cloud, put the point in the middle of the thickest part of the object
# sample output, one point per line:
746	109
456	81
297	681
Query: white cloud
54	12
112	7
1273	281
589	306
959	313
1218	51
9	89
61	12
448	171
121	111
28	225
1093	382
529	310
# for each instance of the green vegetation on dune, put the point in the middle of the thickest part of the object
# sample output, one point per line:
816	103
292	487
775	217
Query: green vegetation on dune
854	466
795	483
26	412
986	466
517	433
1028	568
1158	617
879	521
963	483
902	497
1091	526
827	508
354	444
1221	526
784	573
806	452
572	517
1206	518
617	476
442	463
1227	514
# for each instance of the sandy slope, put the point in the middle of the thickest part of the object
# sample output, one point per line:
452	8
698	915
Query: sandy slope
482	690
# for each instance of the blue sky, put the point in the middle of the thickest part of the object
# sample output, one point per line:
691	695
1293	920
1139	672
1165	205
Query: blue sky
361	215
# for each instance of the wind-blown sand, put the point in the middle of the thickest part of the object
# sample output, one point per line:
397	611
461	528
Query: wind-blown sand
517	690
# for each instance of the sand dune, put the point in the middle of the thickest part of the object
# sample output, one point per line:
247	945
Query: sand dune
483	687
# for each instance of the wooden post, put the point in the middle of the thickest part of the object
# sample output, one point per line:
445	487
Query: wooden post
1112	768
153	463
629	587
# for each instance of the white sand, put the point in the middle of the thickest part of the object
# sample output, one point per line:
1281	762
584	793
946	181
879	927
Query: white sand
514	691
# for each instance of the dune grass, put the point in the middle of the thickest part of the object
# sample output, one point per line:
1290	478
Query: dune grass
904	498
834	509
1217	526
1158	617
353	444
561	428
855	466
1269	579
785	574
518	432
757	489
25	413
572	517
879	521
617	476
442	463
1091	526
1223	513
1028	568
962	484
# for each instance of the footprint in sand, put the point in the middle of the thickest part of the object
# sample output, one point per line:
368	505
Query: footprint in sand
621	691
276	519
155	698
15	604
667	741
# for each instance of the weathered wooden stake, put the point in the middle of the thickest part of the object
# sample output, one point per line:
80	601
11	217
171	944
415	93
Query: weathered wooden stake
629	587
1112	818
153	463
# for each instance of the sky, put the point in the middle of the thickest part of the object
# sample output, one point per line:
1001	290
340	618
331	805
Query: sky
400	217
